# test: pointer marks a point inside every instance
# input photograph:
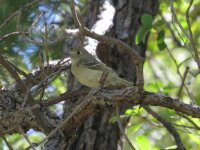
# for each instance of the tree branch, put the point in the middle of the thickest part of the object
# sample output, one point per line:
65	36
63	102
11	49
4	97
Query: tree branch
90	104
168	126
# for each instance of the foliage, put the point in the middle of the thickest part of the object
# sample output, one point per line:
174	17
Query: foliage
166	69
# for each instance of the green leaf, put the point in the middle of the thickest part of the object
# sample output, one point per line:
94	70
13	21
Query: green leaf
147	20
113	119
129	112
141	34
155	86
134	128
161	40
146	26
143	143
158	24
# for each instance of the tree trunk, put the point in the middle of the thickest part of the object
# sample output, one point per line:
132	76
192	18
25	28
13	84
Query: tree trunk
97	133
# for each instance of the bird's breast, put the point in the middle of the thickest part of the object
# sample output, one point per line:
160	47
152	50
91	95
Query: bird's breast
87	76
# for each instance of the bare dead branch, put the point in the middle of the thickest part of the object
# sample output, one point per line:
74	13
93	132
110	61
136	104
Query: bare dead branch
23	88
5	63
36	21
12	34
37	77
74	15
30	79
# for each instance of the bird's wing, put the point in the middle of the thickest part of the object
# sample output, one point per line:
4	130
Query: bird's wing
94	64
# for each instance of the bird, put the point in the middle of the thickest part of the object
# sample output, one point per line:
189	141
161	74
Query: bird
93	73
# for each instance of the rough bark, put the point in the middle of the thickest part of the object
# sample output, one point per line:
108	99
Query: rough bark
97	132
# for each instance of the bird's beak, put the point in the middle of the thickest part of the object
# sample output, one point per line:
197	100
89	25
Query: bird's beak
72	53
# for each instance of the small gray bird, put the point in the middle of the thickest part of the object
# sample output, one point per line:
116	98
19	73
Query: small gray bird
92	73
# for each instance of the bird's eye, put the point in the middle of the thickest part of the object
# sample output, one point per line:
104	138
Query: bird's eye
78	52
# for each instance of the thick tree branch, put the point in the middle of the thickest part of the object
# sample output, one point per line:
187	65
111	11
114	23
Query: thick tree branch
120	97
87	106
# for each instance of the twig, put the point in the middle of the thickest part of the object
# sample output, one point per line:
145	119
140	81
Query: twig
76	110
13	33
13	73
16	12
46	53
179	34
51	71
46	49
106	39
178	23
7	143
171	30
189	120
122	130
11	16
188	20
187	129
36	21
76	20
181	63
23	88
168	126
26	96
64	97
189	37
25	136
74	15
42	84
29	78
62	37
178	71
185	126
183	81
135	56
